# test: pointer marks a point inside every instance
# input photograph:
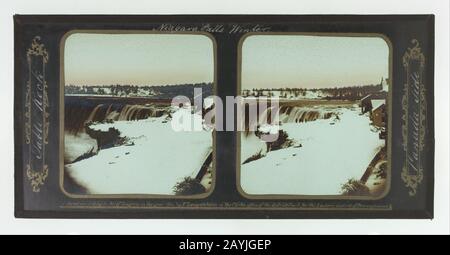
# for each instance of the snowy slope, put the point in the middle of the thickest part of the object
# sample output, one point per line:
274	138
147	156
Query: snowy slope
77	145
329	156
159	158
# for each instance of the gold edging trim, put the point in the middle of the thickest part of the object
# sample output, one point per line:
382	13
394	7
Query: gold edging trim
36	177
389	105
412	181
387	208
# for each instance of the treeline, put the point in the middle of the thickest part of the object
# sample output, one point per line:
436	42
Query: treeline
343	93
355	92
157	92
281	92
184	89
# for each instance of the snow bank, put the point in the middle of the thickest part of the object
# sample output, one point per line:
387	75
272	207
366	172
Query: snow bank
269	129
208	102
251	145
377	103
77	145
159	158
332	152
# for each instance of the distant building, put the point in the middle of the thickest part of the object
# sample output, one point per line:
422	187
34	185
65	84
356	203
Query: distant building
378	116
384	84
377	111
366	104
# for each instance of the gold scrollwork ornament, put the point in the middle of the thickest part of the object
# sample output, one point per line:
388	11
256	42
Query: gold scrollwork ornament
36	178
414	53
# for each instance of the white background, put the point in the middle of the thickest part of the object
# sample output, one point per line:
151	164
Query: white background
440	224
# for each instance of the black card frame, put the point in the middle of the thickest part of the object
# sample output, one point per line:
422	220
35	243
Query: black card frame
37	191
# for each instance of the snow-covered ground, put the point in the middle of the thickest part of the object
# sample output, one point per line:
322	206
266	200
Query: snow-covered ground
377	102
333	150
77	145
159	158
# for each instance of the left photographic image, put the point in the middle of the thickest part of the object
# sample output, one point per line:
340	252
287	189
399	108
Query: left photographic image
122	132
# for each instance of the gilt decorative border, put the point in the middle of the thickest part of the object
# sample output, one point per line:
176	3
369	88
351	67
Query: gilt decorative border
36	114
414	116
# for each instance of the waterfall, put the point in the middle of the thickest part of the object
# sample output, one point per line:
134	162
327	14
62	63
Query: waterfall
266	116
79	112
124	113
137	112
108	111
93	113
295	114
286	114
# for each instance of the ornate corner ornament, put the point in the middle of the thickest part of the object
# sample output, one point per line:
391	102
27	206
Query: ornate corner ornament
414	116
36	114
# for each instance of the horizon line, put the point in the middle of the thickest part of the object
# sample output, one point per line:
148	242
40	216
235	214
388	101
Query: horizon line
138	85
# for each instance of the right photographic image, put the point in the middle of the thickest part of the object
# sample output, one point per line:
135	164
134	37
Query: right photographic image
331	95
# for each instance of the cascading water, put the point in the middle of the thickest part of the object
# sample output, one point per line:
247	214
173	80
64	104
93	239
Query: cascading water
77	115
296	114
93	113
286	114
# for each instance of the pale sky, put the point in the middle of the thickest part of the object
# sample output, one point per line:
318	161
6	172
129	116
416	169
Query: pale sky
138	59
275	61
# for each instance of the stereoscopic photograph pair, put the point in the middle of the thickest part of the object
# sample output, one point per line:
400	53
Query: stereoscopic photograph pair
224	116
